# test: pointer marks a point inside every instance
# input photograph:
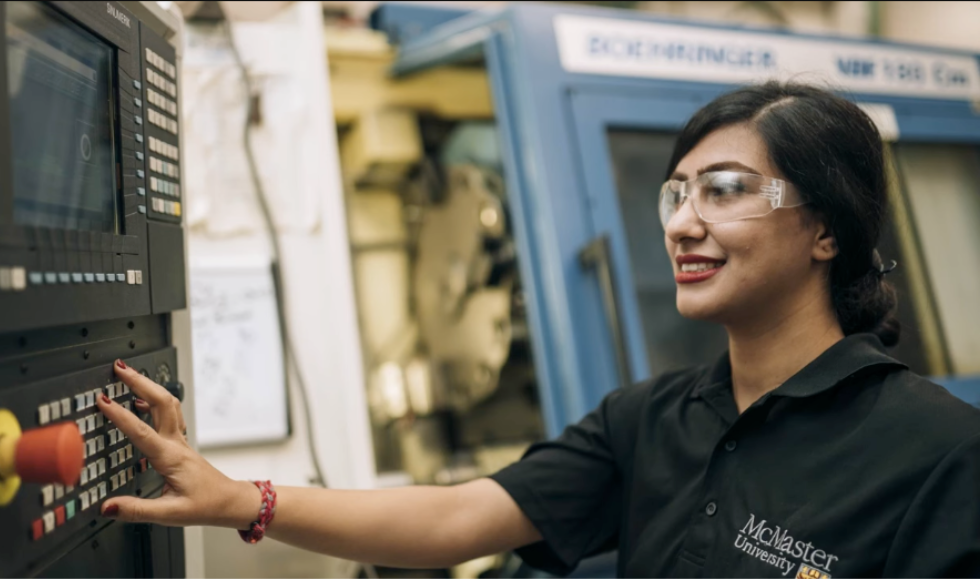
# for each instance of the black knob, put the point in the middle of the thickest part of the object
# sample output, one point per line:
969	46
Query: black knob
175	388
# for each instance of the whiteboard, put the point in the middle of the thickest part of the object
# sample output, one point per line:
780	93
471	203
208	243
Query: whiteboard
239	377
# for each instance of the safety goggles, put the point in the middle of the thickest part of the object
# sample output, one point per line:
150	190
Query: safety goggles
727	196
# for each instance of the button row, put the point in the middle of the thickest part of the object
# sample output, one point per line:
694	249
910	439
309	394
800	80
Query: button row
89	498
118	457
93	471
52	519
120	479
93	446
163	186
162	121
130	277
117	389
88	424
161	63
161	101
167	207
38	278
116	436
12	279
87	399
164	148
54	492
164	167
161	82
55	410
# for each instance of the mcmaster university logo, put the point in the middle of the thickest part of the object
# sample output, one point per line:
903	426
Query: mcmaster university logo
776	547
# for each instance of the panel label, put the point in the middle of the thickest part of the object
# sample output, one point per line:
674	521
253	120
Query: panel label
674	51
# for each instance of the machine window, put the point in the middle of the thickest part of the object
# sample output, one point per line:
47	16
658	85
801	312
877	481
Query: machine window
639	162
941	184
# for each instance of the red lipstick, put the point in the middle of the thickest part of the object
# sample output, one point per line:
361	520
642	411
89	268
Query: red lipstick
693	277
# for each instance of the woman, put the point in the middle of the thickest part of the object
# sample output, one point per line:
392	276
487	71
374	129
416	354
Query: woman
804	451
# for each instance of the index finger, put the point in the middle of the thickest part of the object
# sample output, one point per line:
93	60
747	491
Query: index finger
143	436
147	390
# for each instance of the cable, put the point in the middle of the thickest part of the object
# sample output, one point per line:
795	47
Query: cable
270	225
291	360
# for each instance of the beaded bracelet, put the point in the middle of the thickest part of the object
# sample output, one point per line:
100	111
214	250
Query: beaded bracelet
257	529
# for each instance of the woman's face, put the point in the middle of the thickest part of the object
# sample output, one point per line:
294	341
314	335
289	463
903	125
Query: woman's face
771	266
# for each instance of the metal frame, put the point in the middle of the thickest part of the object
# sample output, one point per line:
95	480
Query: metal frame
558	173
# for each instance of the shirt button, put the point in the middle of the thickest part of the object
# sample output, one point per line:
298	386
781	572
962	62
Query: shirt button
711	508
730	445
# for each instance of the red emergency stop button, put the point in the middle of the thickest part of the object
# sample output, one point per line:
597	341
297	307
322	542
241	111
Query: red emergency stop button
52	454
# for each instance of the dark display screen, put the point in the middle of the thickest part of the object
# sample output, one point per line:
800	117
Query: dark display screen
59	83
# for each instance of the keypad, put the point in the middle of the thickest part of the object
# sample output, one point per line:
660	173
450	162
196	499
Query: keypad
111	461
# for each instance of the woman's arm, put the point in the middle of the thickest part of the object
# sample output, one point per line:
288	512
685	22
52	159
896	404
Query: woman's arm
410	527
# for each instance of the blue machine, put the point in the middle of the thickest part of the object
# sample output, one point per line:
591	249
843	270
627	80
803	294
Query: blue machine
587	103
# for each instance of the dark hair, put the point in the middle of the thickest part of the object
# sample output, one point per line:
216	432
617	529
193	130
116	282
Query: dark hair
832	152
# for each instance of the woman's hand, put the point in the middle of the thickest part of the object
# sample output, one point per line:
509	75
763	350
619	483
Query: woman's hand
416	526
195	492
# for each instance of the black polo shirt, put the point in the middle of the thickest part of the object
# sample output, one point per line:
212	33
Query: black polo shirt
854	467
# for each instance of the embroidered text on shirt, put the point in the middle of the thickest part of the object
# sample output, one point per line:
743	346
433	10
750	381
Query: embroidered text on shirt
754	537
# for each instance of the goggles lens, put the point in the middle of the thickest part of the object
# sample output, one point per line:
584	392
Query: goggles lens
725	196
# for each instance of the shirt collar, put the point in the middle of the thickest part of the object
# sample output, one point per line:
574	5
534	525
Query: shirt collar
850	356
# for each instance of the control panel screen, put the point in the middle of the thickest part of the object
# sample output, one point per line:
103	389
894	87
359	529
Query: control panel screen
59	84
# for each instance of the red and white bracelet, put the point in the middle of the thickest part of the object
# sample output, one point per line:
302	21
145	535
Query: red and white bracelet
257	529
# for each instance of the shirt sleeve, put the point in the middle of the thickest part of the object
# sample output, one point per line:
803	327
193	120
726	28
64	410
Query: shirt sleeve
571	490
940	534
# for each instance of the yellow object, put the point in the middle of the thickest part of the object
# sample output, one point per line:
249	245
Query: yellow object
9	435
381	147
360	61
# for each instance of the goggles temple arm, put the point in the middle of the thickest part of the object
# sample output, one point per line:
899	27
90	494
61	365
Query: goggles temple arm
775	192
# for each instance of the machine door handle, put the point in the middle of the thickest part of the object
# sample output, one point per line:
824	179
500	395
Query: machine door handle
596	255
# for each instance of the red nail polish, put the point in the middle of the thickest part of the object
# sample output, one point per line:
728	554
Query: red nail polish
121	364
106	400
110	511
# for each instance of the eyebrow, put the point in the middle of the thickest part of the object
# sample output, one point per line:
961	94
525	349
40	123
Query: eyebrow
720	166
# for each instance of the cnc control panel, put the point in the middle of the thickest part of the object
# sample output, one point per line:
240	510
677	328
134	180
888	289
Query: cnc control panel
91	268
